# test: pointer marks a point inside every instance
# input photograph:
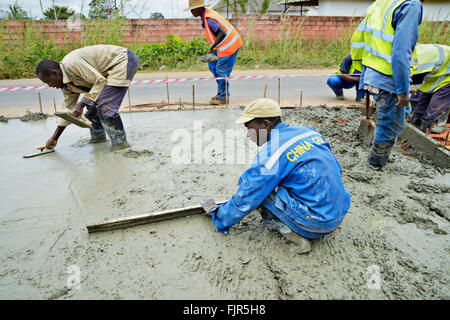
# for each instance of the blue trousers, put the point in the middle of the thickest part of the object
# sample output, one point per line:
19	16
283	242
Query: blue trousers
223	68
275	213
337	84
391	119
432	105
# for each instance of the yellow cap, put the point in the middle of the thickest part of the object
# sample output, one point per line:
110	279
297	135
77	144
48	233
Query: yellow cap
260	108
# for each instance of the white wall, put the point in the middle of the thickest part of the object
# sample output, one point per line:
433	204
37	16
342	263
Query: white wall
338	8
433	9
437	10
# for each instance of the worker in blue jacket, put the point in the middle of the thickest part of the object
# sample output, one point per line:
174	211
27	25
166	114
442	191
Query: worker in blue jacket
295	179
346	78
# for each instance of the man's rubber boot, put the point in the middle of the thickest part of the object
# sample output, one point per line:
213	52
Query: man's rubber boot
379	154
441	123
301	244
98	134
116	132
425	126
417	119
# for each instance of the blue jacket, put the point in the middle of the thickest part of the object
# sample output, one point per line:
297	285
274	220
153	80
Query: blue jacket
298	161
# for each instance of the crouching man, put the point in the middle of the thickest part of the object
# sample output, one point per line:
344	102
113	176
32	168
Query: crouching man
103	74
294	179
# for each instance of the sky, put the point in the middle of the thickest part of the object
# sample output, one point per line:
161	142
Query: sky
132	8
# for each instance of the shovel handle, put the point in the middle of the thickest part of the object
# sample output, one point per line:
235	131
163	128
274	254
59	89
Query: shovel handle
367	105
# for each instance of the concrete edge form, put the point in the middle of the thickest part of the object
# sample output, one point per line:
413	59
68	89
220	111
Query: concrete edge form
430	147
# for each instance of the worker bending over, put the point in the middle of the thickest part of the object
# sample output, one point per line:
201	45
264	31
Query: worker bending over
346	78
225	43
102	73
295	180
433	75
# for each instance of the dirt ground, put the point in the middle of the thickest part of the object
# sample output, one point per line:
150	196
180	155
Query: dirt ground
393	243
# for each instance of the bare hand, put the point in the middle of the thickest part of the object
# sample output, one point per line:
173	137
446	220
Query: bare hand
51	143
403	100
210	51
208	204
78	110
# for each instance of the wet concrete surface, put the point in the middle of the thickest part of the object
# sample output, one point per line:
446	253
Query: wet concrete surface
396	230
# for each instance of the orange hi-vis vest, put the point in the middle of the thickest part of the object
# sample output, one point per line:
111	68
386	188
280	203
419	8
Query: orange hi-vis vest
232	40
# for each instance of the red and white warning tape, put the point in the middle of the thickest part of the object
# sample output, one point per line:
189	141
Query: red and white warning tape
11	89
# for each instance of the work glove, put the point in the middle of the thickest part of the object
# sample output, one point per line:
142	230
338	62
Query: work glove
208	205
209	58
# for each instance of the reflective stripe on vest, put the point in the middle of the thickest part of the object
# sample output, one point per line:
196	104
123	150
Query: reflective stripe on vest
232	40
433	59
371	42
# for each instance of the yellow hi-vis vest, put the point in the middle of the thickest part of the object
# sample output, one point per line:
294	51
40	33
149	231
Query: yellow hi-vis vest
372	41
433	59
232	40
354	67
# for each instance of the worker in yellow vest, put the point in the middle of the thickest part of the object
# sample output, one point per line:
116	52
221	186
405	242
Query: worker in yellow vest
384	44
225	43
433	75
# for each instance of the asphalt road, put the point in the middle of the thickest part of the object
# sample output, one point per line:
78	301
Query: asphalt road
310	87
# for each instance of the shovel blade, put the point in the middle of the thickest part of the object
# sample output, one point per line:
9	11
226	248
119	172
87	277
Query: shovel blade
366	131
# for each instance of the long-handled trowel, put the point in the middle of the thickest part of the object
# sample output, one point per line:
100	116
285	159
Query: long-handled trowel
366	130
81	121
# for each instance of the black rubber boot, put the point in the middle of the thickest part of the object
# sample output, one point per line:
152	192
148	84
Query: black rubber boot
379	154
425	126
416	120
116	132
97	132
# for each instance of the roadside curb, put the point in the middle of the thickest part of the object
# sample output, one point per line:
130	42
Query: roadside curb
427	145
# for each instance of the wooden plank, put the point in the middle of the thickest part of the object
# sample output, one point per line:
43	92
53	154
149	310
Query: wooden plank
146	218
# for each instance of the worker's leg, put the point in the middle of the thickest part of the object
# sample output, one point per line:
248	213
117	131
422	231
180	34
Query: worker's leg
302	243
437	109
335	83
108	104
423	100
278	216
97	131
224	68
212	66
390	122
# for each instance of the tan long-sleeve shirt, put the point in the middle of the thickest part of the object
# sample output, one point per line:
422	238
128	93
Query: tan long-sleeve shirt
87	70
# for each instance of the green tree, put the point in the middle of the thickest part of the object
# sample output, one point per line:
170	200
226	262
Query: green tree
16	12
265	6
156	15
62	13
102	9
243	5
